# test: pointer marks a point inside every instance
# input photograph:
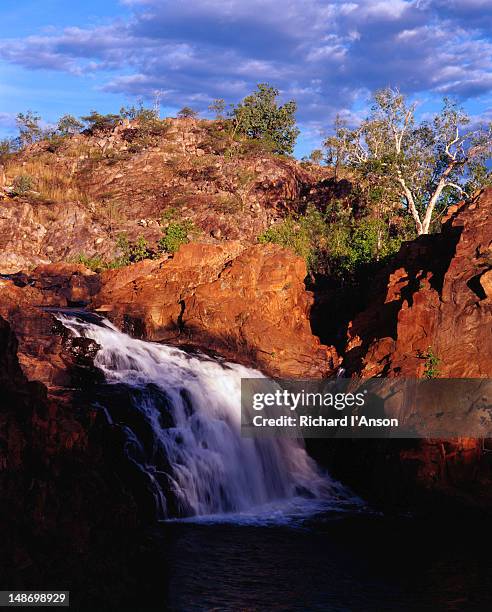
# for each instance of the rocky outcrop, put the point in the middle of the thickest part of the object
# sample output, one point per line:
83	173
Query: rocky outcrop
248	304
433	301
80	194
434	298
71	500
33	233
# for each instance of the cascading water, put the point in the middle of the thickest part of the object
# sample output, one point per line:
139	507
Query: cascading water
196	460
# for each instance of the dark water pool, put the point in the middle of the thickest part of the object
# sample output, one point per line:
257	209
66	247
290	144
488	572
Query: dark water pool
326	564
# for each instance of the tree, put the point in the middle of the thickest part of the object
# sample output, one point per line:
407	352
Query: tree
259	116
336	146
424	163
187	113
68	125
96	122
29	128
218	108
316	156
139	112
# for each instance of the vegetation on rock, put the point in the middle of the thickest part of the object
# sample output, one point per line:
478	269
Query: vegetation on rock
425	165
259	117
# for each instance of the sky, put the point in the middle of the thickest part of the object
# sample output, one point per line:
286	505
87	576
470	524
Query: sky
60	56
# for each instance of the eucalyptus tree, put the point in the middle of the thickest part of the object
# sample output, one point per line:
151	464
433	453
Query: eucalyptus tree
425	162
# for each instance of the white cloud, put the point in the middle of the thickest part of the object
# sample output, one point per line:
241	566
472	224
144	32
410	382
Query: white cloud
323	52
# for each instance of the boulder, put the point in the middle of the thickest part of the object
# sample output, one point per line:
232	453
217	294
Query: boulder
247	303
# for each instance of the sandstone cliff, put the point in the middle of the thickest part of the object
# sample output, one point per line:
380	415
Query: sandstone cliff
436	294
434	300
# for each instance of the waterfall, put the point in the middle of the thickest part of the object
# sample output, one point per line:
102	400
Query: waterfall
194	456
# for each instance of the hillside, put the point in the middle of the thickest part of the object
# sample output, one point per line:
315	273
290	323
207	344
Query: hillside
66	197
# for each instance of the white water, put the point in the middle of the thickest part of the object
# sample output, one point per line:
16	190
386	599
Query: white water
211	469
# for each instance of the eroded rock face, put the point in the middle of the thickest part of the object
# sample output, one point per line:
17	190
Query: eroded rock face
249	304
33	233
436	297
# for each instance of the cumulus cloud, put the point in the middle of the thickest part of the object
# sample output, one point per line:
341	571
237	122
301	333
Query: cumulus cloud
324	53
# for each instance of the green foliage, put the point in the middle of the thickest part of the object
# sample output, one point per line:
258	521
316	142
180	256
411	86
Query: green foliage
68	125
302	235
422	167
22	183
291	235
174	235
138	112
148	128
338	249
96	122
93	262
432	361
7	147
316	156
131	252
168	214
259	117
29	128
140	250
187	113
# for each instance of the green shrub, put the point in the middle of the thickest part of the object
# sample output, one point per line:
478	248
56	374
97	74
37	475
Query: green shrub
431	365
168	215
97	122
187	113
93	262
174	235
22	183
131	252
335	248
291	235
304	235
140	250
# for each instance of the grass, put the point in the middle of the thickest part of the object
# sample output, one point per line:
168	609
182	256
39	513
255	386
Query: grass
52	183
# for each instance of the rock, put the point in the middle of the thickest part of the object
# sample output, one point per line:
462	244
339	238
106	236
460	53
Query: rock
33	234
249	304
59	460
125	185
486	282
72	282
435	296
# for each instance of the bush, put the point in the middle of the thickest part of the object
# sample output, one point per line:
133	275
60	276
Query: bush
431	365
7	147
93	262
131	252
260	117
175	234
187	113
303	235
338	249
291	235
22	183
68	125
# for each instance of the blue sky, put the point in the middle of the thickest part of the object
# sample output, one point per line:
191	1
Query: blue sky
62	56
